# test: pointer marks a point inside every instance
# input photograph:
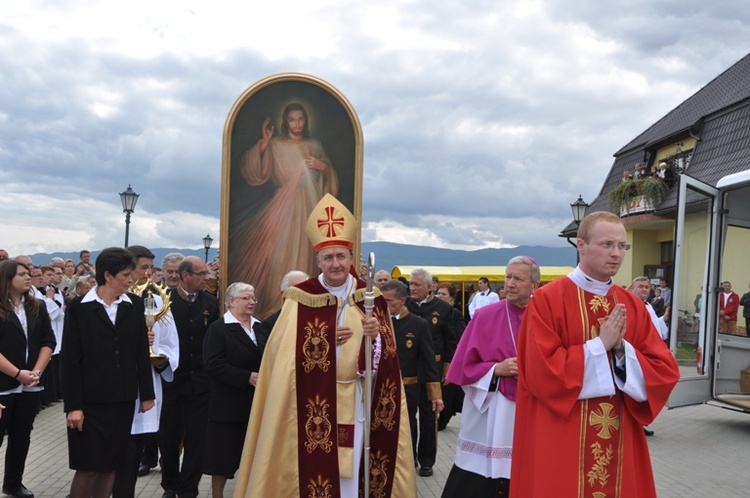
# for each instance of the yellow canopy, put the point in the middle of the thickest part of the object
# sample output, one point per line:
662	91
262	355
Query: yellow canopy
460	274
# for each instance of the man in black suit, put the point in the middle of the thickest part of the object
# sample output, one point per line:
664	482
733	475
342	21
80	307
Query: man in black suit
415	354
184	415
439	315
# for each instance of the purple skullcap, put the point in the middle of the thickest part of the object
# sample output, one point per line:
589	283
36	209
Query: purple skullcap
530	259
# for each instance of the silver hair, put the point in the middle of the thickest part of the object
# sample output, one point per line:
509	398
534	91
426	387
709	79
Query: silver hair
536	273
235	290
292	274
638	279
172	257
57	260
422	273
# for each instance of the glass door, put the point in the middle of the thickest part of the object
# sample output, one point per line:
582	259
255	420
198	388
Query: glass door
731	381
693	304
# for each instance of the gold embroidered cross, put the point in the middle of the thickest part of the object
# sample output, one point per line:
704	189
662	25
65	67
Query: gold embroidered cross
605	420
332	223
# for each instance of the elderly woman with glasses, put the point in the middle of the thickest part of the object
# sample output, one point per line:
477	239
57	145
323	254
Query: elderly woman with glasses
232	355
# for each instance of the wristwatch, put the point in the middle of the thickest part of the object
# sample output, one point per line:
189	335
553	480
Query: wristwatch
38	373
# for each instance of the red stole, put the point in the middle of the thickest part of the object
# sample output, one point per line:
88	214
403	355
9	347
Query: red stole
315	371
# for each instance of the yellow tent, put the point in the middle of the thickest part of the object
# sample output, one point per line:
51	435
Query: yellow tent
470	274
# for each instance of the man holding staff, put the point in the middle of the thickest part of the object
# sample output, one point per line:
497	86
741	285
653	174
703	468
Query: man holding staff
306	430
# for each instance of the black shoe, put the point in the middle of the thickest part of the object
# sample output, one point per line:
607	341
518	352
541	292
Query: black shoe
19	492
648	432
425	471
143	470
169	493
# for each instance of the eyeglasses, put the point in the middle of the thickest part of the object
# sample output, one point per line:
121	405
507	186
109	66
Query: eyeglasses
247	298
200	273
609	245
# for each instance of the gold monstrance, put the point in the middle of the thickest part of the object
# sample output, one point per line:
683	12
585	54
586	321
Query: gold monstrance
151	312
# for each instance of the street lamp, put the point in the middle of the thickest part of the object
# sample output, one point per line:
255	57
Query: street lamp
129	199
579	210
207	244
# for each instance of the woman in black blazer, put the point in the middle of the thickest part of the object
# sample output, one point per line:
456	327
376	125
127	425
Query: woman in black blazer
26	344
105	364
232	358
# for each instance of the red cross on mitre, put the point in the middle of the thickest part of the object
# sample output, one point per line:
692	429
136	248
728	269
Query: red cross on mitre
331	223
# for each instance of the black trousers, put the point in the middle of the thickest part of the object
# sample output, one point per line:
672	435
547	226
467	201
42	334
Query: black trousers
427	446
184	419
463	483
453	397
126	472
412	403
17	422
150	455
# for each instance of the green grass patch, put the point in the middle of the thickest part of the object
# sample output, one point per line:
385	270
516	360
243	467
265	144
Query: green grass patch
685	351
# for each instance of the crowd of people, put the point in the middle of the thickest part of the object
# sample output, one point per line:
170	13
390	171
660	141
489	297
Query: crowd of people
149	370
662	171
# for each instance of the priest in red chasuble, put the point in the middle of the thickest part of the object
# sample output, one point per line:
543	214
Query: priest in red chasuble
306	429
592	372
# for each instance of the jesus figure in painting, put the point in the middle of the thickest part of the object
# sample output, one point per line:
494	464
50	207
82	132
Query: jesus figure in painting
302	174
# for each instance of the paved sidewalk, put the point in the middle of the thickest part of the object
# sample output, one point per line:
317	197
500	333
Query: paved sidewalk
697	452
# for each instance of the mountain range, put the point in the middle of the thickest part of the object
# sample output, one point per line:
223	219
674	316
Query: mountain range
390	254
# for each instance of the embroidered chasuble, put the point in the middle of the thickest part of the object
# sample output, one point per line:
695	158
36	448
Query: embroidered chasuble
593	448
304	436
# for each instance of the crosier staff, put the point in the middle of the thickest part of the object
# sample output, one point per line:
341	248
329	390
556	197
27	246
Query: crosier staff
369	305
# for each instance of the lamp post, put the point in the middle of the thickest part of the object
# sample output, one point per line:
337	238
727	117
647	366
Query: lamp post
207	244
129	199
579	210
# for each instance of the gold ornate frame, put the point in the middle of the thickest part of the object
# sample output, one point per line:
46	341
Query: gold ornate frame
335	125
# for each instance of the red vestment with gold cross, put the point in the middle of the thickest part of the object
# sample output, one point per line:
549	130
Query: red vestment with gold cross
593	447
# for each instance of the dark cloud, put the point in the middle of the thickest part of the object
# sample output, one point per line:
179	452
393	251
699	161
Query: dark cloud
482	121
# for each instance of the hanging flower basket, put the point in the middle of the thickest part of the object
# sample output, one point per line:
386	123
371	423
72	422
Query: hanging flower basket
637	196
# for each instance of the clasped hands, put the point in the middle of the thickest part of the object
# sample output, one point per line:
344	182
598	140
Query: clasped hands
28	378
613	329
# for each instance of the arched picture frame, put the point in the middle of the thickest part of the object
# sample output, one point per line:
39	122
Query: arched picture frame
273	174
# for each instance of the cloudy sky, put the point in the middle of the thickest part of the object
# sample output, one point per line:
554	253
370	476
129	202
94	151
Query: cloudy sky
483	119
